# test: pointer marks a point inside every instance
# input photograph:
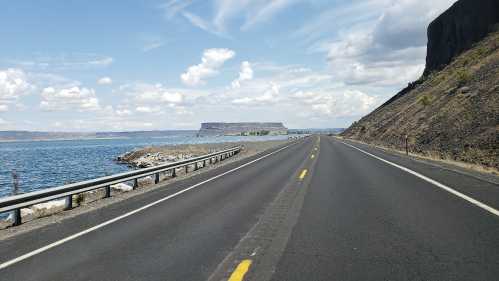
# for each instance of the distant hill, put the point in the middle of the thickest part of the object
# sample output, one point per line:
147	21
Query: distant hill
452	111
243	128
316	131
30	135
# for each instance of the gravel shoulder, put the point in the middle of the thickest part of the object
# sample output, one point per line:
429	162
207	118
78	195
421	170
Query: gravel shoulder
96	201
487	174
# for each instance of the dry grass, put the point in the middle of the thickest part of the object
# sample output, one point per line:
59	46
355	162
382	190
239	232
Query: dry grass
432	156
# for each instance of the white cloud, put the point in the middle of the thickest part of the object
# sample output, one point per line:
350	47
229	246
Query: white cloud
75	98
346	104
374	43
265	12
152	45
211	61
104	61
173	7
13	84
249	13
63	62
268	97
152	98
203	24
245	74
105	81
148	109
154	94
123	112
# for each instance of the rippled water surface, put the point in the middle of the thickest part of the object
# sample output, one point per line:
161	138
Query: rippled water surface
42	164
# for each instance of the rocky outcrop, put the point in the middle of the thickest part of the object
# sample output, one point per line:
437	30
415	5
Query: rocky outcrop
452	112
144	158
233	129
457	29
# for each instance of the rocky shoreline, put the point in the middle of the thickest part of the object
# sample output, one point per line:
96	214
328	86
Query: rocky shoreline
157	155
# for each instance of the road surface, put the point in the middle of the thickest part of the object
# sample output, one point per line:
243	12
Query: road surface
320	209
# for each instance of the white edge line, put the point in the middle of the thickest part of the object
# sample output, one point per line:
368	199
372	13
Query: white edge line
434	182
101	225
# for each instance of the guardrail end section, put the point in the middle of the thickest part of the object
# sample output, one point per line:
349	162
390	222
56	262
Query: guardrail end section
17	217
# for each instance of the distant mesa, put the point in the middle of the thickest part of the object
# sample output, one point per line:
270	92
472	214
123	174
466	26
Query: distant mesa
242	129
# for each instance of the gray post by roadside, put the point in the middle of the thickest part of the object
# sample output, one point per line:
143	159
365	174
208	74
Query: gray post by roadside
406	145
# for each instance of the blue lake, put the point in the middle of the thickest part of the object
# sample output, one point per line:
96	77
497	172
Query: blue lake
42	164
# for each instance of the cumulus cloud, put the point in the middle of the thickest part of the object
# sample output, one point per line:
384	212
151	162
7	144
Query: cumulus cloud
347	104
105	81
246	73
211	62
74	98
13	84
379	43
123	112
151	98
269	96
335	104
154	94
148	109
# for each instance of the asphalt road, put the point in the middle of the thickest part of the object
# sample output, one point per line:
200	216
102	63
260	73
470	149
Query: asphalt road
365	220
317	210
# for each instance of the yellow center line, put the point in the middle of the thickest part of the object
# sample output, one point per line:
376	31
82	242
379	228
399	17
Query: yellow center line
315	148
241	270
303	174
312	156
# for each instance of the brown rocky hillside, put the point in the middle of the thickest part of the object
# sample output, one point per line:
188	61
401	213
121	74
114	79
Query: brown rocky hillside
452	113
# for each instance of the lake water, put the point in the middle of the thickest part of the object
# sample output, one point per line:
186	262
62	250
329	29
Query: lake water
42	164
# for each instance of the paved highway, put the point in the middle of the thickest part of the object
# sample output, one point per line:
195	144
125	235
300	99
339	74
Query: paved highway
319	209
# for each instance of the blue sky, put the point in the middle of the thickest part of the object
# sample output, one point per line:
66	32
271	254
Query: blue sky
172	64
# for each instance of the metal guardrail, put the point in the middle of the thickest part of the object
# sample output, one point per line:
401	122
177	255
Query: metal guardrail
16	202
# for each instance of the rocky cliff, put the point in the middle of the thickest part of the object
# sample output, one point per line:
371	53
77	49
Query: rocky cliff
457	29
251	128
452	112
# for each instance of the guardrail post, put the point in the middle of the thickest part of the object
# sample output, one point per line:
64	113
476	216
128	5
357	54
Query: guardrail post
108	191
135	183
196	166
69	202
204	163
186	169
174	172
211	160
17	217
156	178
